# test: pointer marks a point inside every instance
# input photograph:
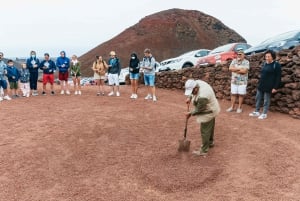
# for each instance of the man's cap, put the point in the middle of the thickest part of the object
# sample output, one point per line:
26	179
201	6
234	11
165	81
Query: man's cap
240	50
189	86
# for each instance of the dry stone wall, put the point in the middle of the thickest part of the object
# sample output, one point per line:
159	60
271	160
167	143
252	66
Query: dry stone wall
286	100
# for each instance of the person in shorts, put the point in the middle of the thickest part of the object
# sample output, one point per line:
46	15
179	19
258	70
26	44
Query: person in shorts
239	78
114	69
13	76
48	66
63	64
24	80
134	73
3	83
148	66
75	66
100	67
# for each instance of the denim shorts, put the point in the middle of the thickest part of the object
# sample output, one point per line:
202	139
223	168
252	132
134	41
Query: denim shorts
149	80
3	84
134	76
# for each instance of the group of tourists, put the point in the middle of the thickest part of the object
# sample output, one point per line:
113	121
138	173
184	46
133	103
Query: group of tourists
113	69
27	77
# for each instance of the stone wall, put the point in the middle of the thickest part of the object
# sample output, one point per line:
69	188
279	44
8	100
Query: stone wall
286	100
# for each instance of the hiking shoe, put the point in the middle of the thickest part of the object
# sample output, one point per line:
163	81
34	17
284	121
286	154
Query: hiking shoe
262	116
239	110
148	97
118	93
229	109
6	97
154	98
254	114
200	153
111	93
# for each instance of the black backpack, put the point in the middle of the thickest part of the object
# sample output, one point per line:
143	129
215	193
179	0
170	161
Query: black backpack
150	58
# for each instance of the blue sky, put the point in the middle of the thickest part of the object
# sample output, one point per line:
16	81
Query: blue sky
77	26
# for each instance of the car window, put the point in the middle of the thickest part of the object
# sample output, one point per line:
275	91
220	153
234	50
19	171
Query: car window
224	48
201	53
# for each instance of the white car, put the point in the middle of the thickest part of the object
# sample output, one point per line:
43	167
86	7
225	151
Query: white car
185	60
122	77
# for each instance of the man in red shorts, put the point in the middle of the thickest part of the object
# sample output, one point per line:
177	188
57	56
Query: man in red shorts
63	64
48	66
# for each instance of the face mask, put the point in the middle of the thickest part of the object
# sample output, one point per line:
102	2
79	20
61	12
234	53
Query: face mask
132	57
33	55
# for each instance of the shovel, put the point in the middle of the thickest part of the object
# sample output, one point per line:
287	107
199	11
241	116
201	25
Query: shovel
184	144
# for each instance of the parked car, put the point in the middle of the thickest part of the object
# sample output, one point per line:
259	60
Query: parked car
286	40
185	60
122	77
222	54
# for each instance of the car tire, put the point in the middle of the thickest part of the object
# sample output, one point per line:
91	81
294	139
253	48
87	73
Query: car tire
187	65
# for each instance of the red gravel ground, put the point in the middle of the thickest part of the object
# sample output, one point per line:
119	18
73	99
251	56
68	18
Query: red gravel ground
79	148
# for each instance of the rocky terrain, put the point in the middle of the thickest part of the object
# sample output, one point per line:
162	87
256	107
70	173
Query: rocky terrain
168	34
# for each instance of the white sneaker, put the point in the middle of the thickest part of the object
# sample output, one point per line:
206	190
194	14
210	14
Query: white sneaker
79	92
148	97
262	116
111	93
118	93
76	93
27	95
132	96
6	97
254	114
154	98
229	109
135	96
239	110
68	92
62	92
1	99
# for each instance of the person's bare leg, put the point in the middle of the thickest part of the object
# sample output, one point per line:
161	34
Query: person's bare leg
241	99
233	99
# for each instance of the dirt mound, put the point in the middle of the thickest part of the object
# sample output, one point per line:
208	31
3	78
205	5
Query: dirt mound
168	34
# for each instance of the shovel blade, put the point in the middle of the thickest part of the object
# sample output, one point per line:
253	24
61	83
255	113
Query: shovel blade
184	145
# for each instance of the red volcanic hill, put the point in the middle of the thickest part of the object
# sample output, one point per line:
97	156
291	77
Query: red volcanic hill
168	34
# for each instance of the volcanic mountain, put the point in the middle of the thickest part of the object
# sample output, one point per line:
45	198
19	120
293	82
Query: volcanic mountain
168	34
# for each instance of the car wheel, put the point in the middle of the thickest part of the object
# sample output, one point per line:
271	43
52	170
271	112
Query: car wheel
187	65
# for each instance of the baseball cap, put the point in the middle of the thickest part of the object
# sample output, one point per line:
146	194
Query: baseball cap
240	50
112	53
189	86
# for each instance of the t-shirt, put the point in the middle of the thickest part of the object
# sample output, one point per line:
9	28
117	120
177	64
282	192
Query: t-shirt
239	79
